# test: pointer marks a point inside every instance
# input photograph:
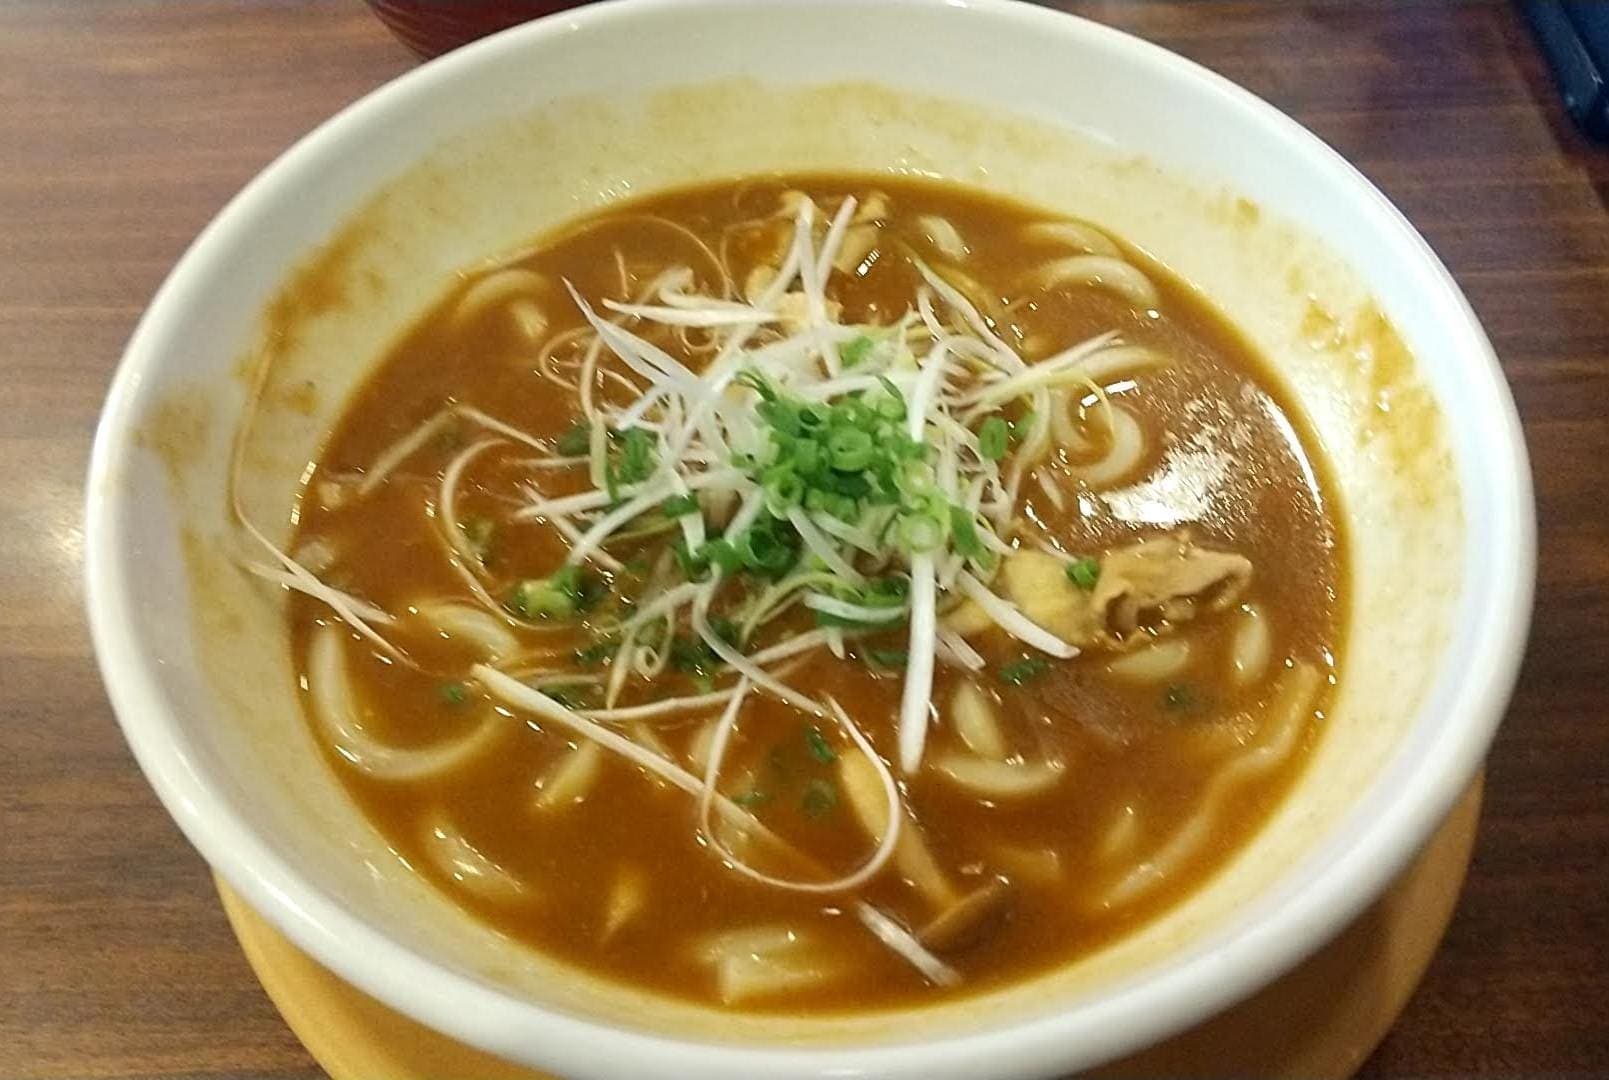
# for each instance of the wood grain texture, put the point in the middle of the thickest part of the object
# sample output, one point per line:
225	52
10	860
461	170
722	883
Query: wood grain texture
125	126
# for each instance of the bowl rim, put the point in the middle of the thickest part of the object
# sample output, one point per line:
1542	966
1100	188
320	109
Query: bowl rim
1136	1013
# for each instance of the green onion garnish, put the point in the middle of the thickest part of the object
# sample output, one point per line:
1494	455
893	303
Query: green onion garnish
631	460
722	554
770	548
1023	671
921	532
819	799
561	595
855	350
679	506
576	440
596	653
542	598
964	534
571	696
852	448
819	747
783	489
478	532
993	438
1084	572
1180	697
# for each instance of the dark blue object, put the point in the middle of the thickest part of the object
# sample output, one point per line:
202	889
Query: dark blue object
1574	35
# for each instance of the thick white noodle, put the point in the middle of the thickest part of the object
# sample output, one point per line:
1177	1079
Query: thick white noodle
455	858
1251	646
337	712
1074	234
1290	705
1099	271
1124	454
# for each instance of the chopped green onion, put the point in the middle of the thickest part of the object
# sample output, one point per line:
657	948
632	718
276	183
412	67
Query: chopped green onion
587	588
454	693
1023	671
559	596
541	598
890	591
993	438
839	506
679	506
920	532
804	457
782	415
854	485
1023	426
1180	697
819	747
721	553
852	448
756	382
478	533
964	534
893	406
855	350
692	655
633	459
813	418
576	440
914	479
1084	572
819	799
596	653
770	547
570	695
783	489
695	564
888	658
852	413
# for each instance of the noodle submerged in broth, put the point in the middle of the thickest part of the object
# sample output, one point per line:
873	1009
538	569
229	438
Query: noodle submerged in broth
817	593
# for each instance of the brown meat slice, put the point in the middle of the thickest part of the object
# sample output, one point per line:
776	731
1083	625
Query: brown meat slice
1144	589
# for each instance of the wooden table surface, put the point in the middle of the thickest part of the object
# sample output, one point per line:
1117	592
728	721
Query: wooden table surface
125	126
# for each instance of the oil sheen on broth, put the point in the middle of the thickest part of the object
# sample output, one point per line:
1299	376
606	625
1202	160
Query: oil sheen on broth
744	480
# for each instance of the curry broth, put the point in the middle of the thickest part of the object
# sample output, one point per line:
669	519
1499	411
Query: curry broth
1229	458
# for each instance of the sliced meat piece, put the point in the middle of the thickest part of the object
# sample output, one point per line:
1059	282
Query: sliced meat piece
1144	589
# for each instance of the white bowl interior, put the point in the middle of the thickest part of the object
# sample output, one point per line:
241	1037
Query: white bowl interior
496	144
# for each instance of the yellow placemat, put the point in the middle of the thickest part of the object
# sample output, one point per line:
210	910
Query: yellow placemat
1318	1022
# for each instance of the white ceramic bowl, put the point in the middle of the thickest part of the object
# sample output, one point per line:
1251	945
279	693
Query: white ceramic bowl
492	144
